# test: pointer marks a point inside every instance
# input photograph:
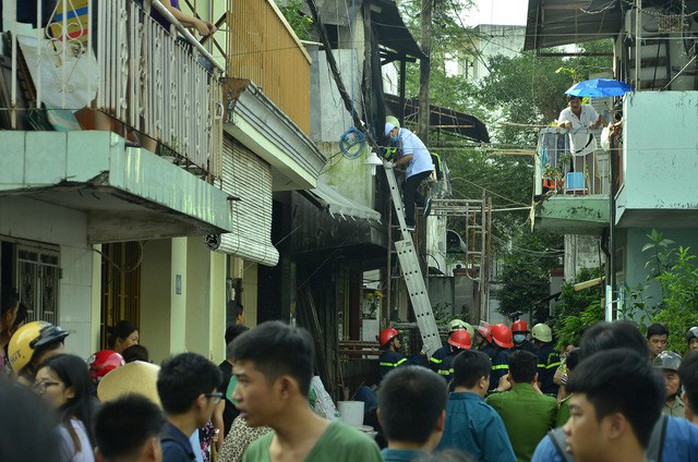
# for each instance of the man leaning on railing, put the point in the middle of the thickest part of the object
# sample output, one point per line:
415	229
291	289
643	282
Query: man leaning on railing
578	115
202	27
581	116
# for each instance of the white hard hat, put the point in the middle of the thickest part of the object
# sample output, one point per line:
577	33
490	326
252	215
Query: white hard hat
388	127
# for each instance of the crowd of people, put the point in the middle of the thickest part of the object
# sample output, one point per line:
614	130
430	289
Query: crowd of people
490	394
511	399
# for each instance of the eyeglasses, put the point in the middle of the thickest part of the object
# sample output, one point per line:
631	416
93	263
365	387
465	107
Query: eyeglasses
216	397
40	387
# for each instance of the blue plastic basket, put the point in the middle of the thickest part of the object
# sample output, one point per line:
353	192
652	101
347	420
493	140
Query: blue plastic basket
574	182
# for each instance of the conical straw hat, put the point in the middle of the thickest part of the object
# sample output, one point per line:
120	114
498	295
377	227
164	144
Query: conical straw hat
136	377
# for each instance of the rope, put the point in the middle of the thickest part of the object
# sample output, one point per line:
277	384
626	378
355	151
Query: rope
352	143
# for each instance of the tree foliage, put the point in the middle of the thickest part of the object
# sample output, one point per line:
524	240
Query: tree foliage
301	24
526	273
673	267
680	301
575	310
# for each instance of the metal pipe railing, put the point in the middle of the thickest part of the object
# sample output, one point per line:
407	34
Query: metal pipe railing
559	169
162	9
114	58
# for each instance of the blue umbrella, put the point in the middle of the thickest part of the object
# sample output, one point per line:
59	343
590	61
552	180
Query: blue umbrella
599	88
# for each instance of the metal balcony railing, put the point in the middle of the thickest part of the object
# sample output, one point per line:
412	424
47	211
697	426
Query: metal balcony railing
559	169
148	83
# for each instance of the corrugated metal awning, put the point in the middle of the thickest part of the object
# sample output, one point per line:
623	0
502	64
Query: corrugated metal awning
338	205
553	23
247	177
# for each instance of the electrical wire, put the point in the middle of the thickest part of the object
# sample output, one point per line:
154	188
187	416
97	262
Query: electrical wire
547	252
510	200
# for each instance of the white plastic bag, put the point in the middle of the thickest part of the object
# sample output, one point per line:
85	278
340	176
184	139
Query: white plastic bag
323	404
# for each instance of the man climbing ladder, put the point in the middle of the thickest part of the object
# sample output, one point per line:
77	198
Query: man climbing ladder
419	165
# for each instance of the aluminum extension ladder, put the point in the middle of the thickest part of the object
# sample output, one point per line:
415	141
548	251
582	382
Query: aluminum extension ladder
412	273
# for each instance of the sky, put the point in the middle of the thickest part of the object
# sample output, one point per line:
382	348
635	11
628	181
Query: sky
509	12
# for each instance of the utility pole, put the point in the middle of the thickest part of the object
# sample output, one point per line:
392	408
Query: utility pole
425	71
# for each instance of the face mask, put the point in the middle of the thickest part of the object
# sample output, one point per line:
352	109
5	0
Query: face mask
519	338
394	139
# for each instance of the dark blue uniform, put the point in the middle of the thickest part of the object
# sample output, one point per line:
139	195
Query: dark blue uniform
446	369
489	350
389	360
525	346
500	366
438	357
548	362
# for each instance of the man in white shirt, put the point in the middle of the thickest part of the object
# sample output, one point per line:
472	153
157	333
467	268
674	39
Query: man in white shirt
419	167
577	115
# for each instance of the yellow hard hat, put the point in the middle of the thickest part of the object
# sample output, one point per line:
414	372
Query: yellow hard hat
28	338
456	324
542	332
393	120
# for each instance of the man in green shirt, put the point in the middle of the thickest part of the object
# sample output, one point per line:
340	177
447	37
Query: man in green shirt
273	364
527	413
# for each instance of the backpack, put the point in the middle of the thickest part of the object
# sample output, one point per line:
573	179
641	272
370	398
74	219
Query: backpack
654	448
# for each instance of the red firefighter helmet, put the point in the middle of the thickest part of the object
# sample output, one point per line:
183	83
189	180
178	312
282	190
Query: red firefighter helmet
501	335
485	330
519	326
387	335
103	362
460	339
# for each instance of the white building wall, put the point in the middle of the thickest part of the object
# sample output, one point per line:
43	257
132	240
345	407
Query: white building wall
488	40
31	220
582	251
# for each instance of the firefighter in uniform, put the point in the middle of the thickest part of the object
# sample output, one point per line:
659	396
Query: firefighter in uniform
501	337
548	358
520	331
483	339
460	340
439	355
390	358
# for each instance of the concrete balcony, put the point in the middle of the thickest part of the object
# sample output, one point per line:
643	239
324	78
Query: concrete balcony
571	187
110	66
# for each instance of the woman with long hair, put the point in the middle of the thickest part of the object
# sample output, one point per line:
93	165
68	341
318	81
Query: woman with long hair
63	381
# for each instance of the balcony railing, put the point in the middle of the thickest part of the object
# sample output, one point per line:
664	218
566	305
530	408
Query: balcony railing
560	170
263	48
116	68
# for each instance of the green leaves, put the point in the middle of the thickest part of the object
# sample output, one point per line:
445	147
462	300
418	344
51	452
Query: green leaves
301	24
577	309
675	270
525	272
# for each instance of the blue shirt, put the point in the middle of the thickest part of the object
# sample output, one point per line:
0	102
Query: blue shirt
474	426
401	455
176	446
195	442
680	444
421	159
